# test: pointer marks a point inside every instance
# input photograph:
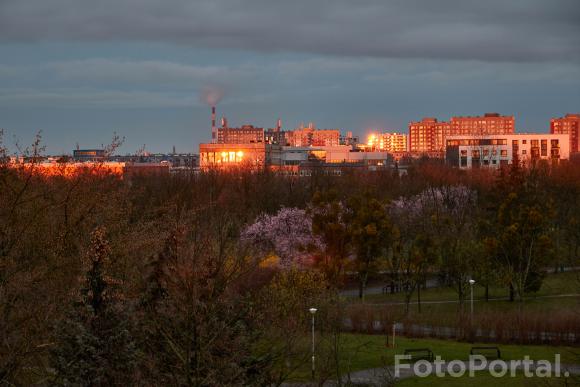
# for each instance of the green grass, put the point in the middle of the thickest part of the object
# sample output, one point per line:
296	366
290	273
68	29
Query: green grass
359	352
484	379
554	284
446	314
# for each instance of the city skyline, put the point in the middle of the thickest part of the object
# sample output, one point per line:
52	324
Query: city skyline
79	73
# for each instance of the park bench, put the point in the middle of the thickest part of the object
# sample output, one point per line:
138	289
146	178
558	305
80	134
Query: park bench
483	350
420	354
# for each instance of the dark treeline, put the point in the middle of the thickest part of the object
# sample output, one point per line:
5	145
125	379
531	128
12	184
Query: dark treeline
105	281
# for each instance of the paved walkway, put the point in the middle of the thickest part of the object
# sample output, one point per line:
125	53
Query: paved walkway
466	301
381	376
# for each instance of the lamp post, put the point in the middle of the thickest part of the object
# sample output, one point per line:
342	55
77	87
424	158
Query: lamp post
313	312
471	283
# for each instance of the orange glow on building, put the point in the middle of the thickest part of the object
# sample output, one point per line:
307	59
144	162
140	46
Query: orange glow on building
570	125
387	142
252	155
73	169
69	169
428	135
313	137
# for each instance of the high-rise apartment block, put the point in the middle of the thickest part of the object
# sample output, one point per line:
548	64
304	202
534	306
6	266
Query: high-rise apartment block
388	142
570	125
429	134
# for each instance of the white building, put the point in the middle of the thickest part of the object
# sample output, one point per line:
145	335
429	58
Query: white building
502	149
341	154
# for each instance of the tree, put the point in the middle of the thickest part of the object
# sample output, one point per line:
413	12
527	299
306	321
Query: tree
413	253
370	230
94	346
287	234
523	238
198	312
330	218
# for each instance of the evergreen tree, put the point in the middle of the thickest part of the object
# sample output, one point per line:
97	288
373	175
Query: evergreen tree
94	345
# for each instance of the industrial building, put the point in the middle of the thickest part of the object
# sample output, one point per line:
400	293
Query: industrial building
499	150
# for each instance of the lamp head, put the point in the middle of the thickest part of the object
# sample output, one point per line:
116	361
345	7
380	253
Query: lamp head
313	310
471	282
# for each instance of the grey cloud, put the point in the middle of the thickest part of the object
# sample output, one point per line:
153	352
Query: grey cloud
492	30
148	71
75	98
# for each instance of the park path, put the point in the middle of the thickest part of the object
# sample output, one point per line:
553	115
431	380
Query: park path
380	376
430	284
474	300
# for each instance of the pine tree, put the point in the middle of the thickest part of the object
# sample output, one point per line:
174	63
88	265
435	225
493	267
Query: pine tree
94	345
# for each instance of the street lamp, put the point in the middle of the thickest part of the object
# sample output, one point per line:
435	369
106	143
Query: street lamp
471	282
313	312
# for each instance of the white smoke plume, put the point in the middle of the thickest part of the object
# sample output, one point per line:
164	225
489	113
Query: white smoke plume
211	95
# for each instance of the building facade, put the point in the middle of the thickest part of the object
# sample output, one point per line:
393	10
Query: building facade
387	142
429	135
313	137
247	134
489	123
89	155
498	150
247	155
570	125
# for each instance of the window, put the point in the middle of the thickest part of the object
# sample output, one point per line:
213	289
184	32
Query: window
524	141
524	152
544	147
503	153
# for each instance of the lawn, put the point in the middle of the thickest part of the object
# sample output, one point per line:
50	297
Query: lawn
484	379
554	284
359	352
442	313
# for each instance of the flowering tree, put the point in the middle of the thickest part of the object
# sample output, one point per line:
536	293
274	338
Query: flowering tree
287	234
437	225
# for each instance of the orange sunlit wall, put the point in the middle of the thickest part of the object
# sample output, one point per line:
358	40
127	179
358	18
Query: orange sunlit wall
70	169
570	125
231	155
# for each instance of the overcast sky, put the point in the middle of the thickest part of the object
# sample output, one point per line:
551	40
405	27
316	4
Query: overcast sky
80	70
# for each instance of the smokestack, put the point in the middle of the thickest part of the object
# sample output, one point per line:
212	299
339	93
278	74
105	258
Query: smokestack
278	125
213	128
224	122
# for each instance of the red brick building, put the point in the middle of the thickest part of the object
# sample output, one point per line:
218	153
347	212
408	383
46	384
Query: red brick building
246	134
428	135
313	137
570	125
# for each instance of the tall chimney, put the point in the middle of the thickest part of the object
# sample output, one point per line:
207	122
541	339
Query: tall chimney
213	128
278	125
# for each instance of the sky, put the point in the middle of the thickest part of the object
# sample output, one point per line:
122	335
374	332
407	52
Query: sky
79	71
